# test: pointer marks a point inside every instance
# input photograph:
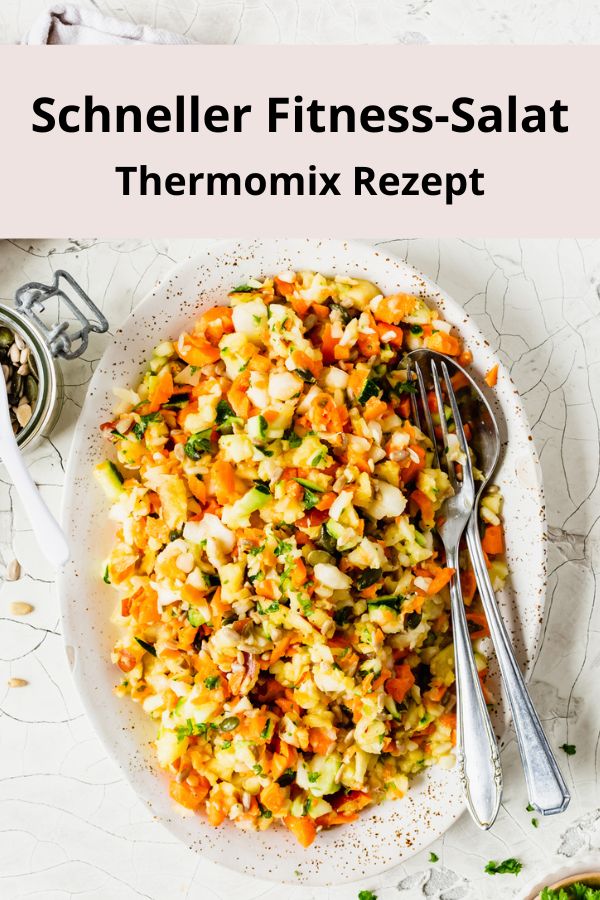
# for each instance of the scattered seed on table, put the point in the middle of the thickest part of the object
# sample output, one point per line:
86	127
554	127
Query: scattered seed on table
13	570
18	608
17	682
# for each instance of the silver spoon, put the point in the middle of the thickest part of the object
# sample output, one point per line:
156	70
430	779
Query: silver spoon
546	786
48	532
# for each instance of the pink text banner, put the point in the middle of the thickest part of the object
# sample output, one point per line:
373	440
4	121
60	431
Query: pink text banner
306	141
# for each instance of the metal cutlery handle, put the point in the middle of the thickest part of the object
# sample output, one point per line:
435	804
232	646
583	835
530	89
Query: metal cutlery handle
477	750
546	787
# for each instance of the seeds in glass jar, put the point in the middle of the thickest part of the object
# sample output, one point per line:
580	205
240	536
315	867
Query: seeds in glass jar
20	375
13	570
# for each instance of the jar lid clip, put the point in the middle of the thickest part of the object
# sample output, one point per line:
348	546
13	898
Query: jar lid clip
30	299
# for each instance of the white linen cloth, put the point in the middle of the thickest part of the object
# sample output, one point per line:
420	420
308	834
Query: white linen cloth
67	24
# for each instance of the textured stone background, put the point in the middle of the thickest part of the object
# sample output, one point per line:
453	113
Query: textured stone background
341	21
71	827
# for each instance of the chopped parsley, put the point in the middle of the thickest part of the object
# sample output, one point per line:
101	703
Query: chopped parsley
288	777
529	807
367	895
106	576
318	458
310	498
211	682
313	777
139	429
282	548
405	387
198	444
506	867
244	289
293	439
272	607
433	857
535	823
254	551
225	415
570	749
191	728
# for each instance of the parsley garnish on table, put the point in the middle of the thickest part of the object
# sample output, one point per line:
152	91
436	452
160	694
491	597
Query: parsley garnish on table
569	749
367	895
506	867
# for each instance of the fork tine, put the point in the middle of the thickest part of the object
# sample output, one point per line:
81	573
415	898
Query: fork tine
413	398
440	404
427	414
467	468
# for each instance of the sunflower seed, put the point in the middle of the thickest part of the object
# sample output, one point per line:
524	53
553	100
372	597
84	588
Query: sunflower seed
14	355
13	570
23	414
17	682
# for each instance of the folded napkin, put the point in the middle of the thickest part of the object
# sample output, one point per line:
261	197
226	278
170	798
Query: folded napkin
66	24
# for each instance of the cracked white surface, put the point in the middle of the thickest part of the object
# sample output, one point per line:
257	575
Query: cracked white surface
340	21
71	826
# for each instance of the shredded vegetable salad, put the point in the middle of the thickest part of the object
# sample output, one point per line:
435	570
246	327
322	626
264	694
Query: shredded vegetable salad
283	605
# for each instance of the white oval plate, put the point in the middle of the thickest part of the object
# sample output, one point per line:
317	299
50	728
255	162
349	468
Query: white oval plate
389	833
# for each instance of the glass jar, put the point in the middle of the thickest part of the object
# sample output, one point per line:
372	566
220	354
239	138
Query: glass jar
50	385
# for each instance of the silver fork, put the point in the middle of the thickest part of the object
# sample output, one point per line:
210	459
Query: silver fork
477	749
